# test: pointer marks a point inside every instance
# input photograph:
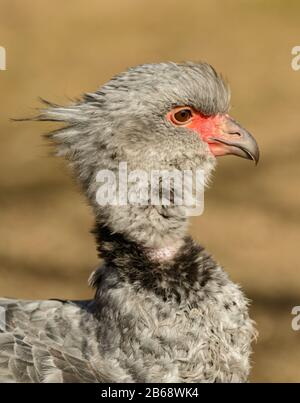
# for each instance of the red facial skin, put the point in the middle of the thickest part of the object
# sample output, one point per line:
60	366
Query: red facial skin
206	126
210	126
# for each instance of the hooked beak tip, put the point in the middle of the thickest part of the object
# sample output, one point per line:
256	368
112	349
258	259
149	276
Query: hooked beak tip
252	156
237	141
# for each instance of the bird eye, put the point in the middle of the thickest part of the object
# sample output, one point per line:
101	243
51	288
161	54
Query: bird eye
182	116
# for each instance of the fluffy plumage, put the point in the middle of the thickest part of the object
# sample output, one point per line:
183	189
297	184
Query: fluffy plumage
178	319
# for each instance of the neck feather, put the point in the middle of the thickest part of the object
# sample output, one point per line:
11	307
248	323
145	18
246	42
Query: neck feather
129	263
151	227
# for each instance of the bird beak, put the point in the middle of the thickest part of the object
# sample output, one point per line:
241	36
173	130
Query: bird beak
232	138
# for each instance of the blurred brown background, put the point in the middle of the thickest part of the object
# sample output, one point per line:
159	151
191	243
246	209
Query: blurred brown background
58	50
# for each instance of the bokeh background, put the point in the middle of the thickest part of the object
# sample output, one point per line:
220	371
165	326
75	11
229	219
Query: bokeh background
58	50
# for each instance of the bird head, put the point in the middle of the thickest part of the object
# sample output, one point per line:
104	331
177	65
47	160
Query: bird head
154	116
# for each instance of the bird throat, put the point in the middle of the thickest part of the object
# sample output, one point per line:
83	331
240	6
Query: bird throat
114	247
165	253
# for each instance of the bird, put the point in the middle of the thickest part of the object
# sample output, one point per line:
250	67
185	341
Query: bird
163	310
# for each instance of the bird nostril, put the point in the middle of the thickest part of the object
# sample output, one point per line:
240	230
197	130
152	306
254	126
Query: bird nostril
237	133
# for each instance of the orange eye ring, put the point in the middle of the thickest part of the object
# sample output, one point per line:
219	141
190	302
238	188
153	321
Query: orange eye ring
181	116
